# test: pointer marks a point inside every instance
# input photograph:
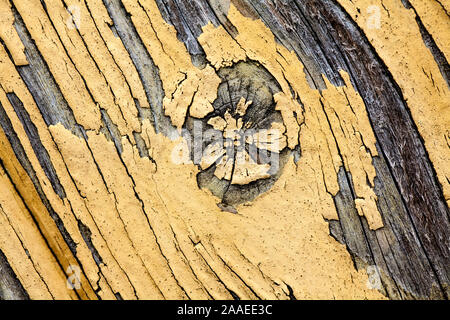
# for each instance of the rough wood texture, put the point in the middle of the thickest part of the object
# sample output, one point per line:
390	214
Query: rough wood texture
332	182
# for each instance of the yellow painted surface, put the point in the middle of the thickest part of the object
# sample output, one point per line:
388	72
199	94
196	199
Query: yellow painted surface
158	234
399	43
9	35
258	44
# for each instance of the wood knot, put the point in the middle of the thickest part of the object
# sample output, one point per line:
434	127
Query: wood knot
241	146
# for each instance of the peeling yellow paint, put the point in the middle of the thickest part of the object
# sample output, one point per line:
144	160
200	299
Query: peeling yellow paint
68	78
9	35
399	43
117	49
19	233
157	233
221	49
258	44
185	86
436	21
11	82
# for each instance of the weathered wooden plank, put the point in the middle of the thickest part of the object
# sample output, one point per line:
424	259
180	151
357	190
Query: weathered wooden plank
10	286
196	60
